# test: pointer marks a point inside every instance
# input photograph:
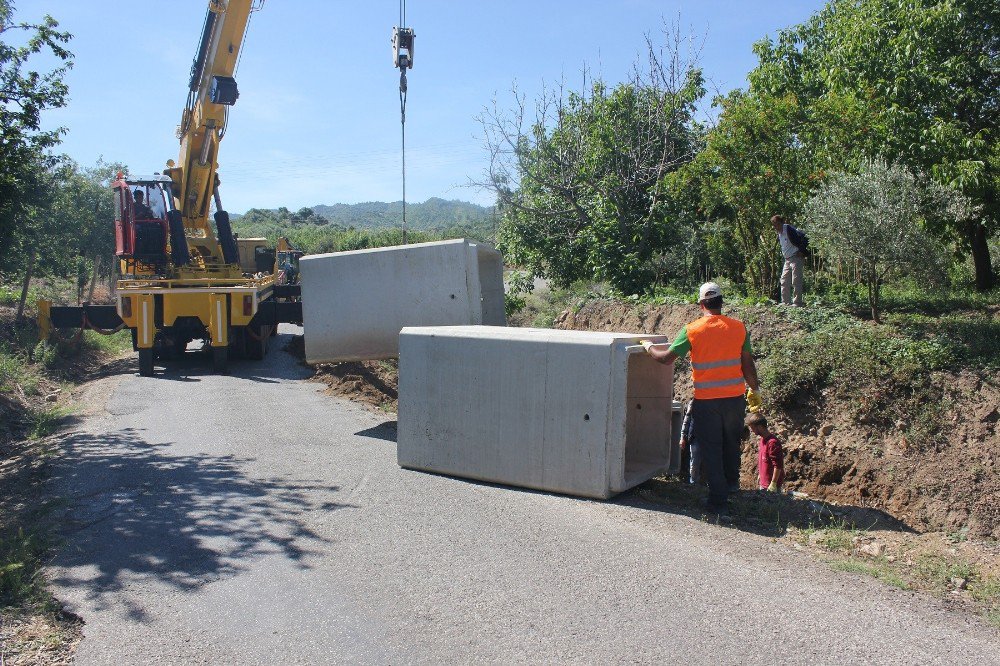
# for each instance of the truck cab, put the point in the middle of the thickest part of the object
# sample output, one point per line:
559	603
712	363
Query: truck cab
142	231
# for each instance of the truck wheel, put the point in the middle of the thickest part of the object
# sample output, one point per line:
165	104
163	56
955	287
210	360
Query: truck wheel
146	362
220	360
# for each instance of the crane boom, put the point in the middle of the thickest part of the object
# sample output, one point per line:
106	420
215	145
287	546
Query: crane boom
182	280
211	91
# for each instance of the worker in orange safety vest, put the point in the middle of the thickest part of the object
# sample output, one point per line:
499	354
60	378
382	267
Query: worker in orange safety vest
722	367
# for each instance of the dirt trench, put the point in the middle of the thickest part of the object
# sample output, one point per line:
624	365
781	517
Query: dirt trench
950	485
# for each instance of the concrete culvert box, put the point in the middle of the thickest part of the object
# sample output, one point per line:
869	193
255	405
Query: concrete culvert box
575	412
355	303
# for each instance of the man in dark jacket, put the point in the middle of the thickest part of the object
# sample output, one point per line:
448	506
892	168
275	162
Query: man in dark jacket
795	259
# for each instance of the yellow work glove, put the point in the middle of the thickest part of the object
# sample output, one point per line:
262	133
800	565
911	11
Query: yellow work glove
753	400
773	488
646	344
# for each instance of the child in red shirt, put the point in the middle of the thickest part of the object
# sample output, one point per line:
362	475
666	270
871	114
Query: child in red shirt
770	456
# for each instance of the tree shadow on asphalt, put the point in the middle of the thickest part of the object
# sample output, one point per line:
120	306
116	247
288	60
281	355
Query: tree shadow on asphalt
758	512
135	511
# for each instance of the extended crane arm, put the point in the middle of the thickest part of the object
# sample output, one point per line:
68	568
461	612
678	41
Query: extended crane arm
211	91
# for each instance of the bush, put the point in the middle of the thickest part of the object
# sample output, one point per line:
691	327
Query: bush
858	355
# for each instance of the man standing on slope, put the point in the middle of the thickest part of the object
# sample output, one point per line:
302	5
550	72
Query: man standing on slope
721	367
793	249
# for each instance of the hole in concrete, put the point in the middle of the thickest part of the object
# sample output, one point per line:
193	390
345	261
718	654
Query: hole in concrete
647	430
453	296
586	417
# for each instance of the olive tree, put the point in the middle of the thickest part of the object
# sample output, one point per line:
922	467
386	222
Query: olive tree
916	81
878	218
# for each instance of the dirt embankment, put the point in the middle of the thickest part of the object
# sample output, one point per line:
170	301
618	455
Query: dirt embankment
951	485
371	383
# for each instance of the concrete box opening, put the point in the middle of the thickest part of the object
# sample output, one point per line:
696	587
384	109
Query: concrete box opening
490	265
648	410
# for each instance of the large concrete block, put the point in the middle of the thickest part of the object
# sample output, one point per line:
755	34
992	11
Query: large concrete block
355	303
576	412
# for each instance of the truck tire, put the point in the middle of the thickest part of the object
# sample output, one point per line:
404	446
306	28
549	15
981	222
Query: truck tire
145	362
220	360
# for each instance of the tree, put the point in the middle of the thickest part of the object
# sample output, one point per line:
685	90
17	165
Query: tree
915	81
877	218
24	95
82	215
579	180
753	166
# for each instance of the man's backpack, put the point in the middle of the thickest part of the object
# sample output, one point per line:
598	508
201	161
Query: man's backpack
799	239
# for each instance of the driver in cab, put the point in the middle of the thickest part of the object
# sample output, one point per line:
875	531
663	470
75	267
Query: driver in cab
140	209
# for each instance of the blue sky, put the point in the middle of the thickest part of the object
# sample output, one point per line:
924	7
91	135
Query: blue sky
317	121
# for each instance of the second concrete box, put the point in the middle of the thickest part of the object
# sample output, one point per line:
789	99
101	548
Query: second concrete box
575	412
355	303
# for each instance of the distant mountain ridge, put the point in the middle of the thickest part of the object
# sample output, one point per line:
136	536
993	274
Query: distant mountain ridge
435	214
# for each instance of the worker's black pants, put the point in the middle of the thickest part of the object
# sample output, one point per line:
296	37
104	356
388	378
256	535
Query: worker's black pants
719	424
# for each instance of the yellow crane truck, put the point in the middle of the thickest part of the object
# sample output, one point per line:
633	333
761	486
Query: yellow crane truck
181	277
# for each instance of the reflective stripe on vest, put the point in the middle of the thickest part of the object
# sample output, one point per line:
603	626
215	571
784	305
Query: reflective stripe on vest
716	357
717	364
717	384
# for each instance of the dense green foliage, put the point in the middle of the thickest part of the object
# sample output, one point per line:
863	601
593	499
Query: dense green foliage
913	83
373	224
878	218
25	163
580	185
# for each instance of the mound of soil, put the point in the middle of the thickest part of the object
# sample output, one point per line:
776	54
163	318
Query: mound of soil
951	485
370	383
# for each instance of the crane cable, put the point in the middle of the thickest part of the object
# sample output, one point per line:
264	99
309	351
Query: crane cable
402	114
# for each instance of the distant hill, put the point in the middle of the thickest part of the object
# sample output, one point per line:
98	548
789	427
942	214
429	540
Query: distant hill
371	224
433	214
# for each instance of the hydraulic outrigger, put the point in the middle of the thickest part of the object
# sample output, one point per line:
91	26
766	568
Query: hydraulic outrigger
182	280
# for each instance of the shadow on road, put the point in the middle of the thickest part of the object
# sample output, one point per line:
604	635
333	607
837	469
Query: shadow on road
385	430
766	514
134	510
278	365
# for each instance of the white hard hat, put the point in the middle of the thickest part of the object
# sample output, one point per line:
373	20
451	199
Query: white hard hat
709	290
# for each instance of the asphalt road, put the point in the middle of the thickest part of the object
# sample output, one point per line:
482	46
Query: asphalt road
249	519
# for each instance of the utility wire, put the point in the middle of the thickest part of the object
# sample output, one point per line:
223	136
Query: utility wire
402	125
402	114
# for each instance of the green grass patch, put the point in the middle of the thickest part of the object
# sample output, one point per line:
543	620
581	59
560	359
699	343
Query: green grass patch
21	559
936	572
854	354
46	420
540	307
879	569
901	297
986	590
114	344
832	533
14	372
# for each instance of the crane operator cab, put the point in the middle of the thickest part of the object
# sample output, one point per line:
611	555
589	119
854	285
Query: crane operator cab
142	227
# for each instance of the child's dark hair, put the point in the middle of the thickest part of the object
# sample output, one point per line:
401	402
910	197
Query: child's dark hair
755	418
